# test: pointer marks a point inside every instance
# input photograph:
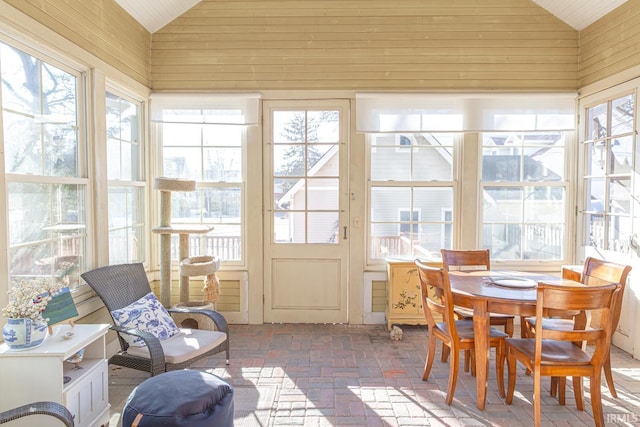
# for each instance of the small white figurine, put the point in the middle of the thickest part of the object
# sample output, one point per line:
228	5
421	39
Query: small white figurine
396	333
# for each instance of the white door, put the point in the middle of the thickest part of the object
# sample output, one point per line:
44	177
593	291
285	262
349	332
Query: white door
610	195
306	234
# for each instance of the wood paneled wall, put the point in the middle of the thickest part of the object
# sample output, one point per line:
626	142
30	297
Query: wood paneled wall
101	27
610	45
365	45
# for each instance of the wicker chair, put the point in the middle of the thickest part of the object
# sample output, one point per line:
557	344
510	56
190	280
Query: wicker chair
52	409
120	285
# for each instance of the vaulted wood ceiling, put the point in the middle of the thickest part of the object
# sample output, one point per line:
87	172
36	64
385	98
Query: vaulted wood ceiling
155	14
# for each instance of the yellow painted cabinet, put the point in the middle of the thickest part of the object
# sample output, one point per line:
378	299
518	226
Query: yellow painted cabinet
404	306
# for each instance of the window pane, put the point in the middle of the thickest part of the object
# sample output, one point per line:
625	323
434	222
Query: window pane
434	206
622	114
24	154
288	160
123	142
611	159
503	240
544	204
40	116
619	233
323	160
596	158
183	162
323	126
417	157
391	163
126	190
323	227
46	221
385	202
622	155
212	155
503	204
47	227
324	194
126	224
595	230
222	135
289	126
595	194
543	241
620	196
525	220
523	157
432	163
180	134
597	122
222	164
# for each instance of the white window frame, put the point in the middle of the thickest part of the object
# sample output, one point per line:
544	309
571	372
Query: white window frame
83	80
589	100
523	185
248	105
452	184
142	181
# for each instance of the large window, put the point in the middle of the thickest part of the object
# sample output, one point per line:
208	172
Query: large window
45	167
211	155
609	157
203	138
524	195
410	186
506	190
127	187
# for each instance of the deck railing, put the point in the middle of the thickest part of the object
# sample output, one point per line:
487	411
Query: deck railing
227	248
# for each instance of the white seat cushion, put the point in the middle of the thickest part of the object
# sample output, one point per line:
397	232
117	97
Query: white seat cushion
185	345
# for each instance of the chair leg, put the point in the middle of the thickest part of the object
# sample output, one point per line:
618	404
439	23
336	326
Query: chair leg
511	383
537	403
431	353
561	390
525	332
472	361
577	391
500	367
596	400
445	353
467	360
453	375
609	376
509	328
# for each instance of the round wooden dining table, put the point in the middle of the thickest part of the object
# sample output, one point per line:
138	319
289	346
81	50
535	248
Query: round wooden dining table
505	292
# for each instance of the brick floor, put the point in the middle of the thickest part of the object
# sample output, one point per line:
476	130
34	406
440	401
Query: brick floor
344	375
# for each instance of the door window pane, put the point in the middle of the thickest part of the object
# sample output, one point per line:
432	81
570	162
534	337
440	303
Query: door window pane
305	183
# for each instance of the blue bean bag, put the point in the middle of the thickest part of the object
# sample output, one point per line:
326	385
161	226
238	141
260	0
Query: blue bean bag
180	398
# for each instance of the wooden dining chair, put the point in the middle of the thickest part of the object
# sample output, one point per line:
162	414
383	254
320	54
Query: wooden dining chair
474	260
595	272
457	335
553	352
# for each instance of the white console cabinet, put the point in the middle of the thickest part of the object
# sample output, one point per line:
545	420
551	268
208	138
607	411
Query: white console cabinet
38	374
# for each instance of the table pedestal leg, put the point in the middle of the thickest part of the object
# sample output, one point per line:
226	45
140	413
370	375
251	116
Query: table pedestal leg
481	332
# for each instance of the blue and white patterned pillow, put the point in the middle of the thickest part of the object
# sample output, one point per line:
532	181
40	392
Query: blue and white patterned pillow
146	314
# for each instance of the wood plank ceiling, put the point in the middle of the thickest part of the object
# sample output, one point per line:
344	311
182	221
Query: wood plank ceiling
155	14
